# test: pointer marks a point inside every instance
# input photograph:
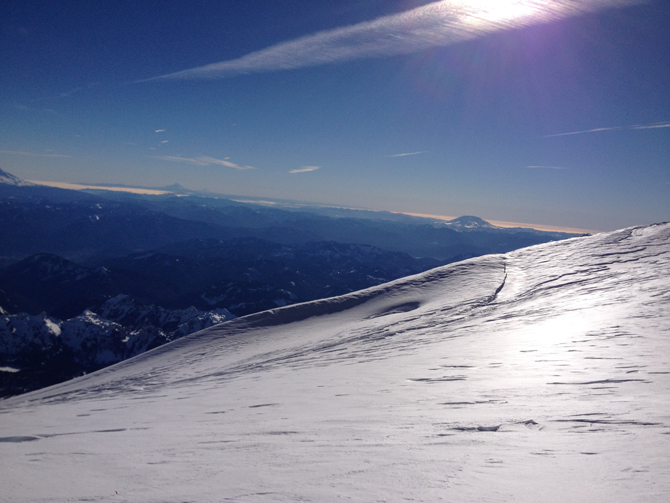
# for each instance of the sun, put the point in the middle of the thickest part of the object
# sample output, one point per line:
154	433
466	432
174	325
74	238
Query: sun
504	11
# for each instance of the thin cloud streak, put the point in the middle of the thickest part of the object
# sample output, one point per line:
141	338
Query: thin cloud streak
652	126
201	161
31	154
437	24
69	93
407	153
220	162
597	130
545	167
656	125
304	169
28	109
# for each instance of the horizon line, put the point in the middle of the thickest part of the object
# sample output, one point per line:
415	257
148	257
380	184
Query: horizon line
497	223
511	225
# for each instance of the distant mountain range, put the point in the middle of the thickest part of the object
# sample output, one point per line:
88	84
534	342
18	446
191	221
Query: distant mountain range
245	275
89	225
112	309
43	350
66	254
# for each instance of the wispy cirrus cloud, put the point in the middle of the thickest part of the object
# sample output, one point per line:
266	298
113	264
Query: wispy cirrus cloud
224	162
70	92
437	24
407	153
31	154
656	125
29	109
304	169
596	130
202	161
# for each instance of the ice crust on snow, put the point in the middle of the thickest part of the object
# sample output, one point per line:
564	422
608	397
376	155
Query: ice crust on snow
538	375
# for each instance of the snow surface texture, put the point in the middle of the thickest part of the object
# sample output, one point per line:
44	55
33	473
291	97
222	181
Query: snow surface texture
539	375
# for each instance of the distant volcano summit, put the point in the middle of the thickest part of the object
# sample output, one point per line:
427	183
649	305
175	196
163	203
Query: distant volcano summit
9	179
469	223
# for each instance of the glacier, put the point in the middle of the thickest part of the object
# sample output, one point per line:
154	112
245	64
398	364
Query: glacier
542	374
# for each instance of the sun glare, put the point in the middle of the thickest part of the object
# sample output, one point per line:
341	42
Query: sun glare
484	12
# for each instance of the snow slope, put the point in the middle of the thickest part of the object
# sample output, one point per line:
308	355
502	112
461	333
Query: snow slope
539	375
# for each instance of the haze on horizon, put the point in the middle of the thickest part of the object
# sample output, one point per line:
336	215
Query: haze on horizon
553	113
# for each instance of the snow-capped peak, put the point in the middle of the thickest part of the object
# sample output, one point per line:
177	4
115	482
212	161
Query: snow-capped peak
9	179
469	222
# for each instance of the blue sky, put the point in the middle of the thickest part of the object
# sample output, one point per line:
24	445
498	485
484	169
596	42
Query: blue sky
550	113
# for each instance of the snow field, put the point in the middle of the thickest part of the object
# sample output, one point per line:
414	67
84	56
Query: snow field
539	375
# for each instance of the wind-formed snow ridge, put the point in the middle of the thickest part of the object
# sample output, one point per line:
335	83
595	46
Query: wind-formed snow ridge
538	375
